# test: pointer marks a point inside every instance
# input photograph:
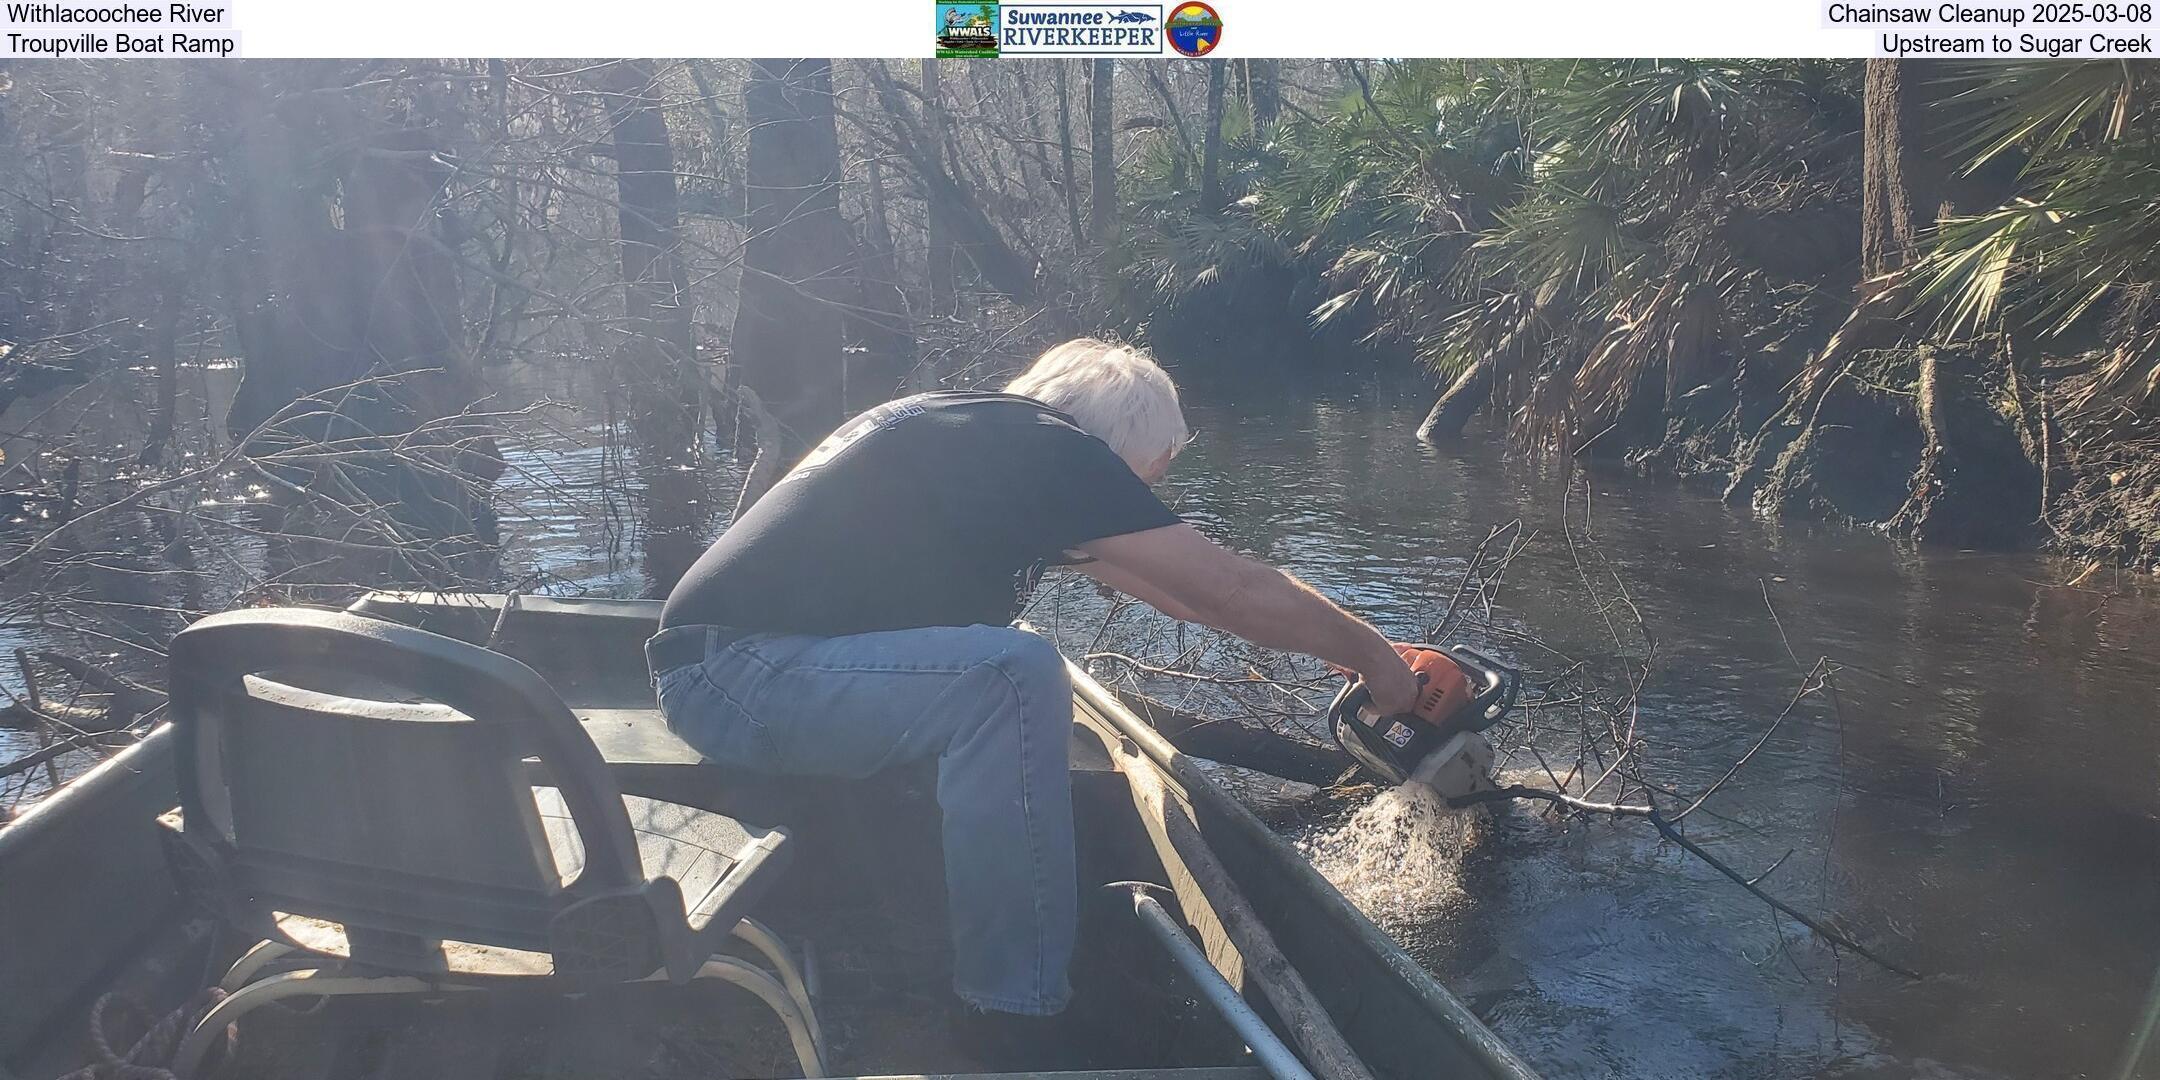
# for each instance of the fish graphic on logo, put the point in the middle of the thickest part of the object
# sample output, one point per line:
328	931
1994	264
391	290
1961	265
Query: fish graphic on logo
1132	17
1194	28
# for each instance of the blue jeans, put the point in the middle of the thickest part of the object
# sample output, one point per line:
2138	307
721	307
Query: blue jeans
992	704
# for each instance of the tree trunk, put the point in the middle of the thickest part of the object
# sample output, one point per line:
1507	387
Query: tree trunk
164	349
1211	192
340	279
795	275
1903	179
1065	154
331	289
656	366
880	322
163	279
943	272
1102	211
69	298
1263	88
1462	400
1180	162
1002	267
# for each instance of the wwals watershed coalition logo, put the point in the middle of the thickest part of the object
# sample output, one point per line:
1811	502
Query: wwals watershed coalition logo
967	30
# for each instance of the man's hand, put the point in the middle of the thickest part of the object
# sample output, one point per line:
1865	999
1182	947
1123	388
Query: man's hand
1388	677
1393	686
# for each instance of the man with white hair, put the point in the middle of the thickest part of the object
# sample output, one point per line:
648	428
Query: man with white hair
858	616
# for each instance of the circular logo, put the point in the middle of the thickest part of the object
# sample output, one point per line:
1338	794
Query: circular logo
1194	28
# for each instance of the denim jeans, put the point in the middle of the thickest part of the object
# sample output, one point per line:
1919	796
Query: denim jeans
991	703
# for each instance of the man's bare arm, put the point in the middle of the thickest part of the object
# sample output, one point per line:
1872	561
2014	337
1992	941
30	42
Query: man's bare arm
1132	585
1187	576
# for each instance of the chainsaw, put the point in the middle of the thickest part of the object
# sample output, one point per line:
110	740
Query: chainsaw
1439	743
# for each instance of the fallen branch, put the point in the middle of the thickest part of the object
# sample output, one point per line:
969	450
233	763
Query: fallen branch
86	741
21	716
1816	678
1470	574
1250	678
128	695
1244	745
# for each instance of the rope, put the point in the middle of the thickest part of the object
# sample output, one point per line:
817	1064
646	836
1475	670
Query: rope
147	1057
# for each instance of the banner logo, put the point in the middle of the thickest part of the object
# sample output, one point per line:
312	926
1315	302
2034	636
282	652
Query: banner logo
967	29
1195	29
1081	29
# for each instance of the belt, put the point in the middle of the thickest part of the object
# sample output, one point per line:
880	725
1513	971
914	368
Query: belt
682	646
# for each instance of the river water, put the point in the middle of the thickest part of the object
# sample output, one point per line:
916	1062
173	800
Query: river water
1983	806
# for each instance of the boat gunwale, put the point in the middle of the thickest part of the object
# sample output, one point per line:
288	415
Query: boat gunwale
1196	788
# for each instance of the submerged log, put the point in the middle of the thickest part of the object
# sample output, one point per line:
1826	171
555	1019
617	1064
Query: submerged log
64	747
18	716
1271	798
1237	744
126	699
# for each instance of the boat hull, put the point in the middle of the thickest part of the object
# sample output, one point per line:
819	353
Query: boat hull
84	894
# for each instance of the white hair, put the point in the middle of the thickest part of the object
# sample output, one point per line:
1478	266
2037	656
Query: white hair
1116	393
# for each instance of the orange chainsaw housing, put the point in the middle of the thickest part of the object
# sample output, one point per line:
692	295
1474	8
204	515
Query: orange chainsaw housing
1460	690
1446	688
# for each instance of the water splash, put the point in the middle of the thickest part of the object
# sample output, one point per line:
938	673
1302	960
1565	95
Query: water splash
1399	858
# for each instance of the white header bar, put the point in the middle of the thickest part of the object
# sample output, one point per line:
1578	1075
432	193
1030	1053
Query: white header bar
1245	28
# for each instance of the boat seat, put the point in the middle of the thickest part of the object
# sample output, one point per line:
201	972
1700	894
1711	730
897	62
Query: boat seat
389	811
697	849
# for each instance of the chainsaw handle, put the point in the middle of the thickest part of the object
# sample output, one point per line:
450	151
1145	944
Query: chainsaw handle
1499	685
1353	699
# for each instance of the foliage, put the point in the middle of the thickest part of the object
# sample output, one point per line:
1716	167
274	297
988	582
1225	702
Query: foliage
1599	229
1581	223
2081	240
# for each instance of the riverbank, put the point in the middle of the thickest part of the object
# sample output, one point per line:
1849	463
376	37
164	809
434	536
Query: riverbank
1958	445
1915	297
1812	415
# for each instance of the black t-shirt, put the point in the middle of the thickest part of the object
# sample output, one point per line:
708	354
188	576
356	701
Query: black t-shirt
940	509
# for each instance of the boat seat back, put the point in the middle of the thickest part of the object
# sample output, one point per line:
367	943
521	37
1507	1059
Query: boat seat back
371	774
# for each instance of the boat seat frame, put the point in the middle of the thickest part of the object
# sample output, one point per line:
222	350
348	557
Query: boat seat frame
312	813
